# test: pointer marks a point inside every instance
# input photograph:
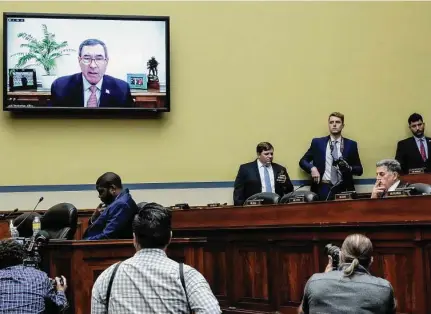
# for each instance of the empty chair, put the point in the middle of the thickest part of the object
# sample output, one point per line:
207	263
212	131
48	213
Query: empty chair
60	221
24	224
266	197
419	188
308	196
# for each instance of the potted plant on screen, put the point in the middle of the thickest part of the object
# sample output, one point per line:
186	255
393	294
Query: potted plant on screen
153	79
42	52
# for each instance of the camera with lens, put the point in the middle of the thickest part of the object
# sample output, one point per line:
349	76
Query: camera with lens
32	247
342	164
334	252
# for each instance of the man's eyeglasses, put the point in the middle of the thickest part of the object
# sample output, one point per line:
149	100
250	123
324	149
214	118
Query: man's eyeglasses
98	60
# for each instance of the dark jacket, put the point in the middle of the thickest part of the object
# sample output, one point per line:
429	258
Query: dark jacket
68	91
409	156
115	222
248	183
316	157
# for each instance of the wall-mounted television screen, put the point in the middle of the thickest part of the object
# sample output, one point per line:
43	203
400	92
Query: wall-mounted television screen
85	63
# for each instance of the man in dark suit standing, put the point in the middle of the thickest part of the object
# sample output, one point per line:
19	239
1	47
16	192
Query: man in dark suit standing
261	175
332	161
413	152
91	88
387	178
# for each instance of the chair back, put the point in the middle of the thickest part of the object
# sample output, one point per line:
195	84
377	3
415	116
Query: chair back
419	188
141	205
308	197
60	221
266	197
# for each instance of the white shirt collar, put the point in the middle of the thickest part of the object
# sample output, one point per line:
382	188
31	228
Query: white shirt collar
394	186
332	139
419	139
87	84
260	164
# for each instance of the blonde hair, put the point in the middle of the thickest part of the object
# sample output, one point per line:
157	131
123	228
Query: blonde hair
337	115
357	249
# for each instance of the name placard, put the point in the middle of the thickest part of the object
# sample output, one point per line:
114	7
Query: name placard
417	171
184	206
256	202
297	199
398	193
343	196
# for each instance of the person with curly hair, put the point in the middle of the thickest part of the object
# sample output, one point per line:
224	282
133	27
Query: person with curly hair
17	281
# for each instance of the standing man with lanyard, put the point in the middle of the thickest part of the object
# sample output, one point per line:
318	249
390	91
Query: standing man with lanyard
332	161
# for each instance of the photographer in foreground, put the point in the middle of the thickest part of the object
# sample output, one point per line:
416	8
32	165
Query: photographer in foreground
351	288
26	289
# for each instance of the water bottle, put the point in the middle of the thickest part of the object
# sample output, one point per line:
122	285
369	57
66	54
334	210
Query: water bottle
13	230
36	225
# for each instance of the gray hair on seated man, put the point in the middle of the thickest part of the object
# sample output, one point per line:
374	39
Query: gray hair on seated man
387	177
391	164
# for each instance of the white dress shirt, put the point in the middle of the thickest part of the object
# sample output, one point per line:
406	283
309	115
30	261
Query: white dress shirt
87	91
329	159
418	144
261	168
394	186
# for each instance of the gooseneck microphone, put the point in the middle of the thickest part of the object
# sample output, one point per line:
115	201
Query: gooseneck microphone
332	187
37	204
301	186
3	216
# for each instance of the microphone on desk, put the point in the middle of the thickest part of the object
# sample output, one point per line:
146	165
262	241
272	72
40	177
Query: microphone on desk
4	216
332	187
301	186
37	204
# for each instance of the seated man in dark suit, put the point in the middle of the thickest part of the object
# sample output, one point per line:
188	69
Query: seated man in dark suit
91	88
261	175
413	152
114	221
387	178
332	161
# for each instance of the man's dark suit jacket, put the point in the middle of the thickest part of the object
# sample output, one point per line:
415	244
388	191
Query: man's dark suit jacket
115	222
409	156
248	183
316	157
68	91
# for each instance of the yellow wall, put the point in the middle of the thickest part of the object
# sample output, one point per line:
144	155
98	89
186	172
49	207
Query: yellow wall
242	73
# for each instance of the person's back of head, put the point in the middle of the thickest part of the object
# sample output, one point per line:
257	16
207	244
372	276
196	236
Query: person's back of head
356	250
12	253
152	227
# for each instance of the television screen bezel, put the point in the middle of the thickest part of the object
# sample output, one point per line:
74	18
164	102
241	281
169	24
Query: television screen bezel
82	110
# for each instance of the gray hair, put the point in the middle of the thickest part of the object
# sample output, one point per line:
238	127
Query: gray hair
93	42
391	164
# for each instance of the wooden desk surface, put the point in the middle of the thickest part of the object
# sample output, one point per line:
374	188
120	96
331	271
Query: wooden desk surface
258	259
417	178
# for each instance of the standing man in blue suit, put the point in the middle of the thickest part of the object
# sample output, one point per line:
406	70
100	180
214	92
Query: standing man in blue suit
332	161
91	88
113	218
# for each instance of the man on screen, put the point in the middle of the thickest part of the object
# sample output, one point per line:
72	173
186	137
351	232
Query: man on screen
91	88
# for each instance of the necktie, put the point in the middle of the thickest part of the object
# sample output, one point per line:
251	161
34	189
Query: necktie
92	101
334	171
422	149
268	187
